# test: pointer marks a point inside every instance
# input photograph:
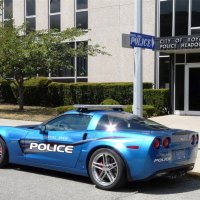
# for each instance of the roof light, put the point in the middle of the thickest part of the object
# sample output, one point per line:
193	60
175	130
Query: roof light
98	107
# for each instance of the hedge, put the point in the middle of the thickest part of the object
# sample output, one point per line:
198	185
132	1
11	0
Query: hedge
91	93
148	110
62	109
109	102
43	92
35	91
158	98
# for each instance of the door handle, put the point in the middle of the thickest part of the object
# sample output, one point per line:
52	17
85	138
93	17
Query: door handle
84	136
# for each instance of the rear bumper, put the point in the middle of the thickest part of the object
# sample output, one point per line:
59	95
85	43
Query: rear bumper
150	168
171	171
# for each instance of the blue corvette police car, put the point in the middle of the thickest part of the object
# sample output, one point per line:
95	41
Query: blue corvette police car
105	143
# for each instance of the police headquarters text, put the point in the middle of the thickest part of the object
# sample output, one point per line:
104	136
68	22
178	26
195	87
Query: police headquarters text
179	43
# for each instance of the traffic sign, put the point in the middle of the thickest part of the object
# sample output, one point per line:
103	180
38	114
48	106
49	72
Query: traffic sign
142	41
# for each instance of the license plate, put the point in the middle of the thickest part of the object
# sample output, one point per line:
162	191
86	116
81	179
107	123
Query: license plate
179	154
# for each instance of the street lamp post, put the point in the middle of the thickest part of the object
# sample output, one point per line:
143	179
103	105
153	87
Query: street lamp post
138	83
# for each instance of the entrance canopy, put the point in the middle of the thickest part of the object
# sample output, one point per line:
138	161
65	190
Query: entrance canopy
180	44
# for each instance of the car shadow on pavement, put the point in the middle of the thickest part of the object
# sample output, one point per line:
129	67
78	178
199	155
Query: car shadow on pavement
51	173
156	186
160	186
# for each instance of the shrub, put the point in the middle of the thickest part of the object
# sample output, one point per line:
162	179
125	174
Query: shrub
91	93
35	91
148	110
110	102
42	92
62	109
159	99
6	93
60	94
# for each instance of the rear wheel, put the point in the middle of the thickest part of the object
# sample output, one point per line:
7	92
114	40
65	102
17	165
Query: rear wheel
107	169
3	154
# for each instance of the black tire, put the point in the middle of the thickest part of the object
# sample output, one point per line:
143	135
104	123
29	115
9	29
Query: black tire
109	174
3	154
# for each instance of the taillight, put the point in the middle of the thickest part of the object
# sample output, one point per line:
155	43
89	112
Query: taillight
192	140
156	143
197	138
166	142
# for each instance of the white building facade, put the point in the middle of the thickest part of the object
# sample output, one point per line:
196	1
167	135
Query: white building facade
105	20
105	23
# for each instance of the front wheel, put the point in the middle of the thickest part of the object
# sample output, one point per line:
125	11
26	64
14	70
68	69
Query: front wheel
3	154
106	169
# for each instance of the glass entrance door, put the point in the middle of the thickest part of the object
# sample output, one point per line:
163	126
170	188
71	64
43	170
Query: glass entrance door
192	89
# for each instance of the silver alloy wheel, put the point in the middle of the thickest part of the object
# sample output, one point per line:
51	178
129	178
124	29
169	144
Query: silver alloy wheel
104	169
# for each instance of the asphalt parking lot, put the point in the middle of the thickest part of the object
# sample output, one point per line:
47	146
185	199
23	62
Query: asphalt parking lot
22	183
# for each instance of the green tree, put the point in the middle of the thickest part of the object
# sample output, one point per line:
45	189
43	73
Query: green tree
25	54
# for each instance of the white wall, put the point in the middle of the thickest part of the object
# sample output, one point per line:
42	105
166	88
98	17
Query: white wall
42	14
18	12
108	19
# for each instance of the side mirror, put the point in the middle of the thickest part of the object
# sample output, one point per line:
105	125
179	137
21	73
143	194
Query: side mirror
43	129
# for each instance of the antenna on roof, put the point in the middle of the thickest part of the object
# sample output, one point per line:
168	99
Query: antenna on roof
84	108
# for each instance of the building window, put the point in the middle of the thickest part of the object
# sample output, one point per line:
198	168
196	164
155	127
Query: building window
164	72
181	17
54	6
166	11
179	87
55	22
31	24
82	14
30	15
8	9
30	7
82	4
77	72
195	29
54	15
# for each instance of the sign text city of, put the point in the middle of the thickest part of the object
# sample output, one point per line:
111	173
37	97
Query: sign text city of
178	43
142	40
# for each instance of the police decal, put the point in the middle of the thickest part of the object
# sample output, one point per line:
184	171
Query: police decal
61	148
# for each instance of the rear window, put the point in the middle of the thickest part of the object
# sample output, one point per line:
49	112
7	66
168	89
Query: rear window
126	121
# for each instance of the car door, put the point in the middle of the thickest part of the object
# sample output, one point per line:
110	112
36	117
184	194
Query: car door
58	142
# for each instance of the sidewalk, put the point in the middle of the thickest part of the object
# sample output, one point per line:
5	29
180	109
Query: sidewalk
183	122
172	121
9	122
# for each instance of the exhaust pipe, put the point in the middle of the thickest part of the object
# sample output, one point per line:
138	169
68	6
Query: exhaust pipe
176	174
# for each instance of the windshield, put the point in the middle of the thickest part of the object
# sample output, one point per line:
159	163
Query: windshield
126	121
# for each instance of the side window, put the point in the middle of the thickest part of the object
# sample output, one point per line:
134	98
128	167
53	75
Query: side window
69	122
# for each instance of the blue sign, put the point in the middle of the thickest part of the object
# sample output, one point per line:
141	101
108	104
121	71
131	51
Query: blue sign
142	41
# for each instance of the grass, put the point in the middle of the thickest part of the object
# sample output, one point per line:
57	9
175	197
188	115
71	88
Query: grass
30	113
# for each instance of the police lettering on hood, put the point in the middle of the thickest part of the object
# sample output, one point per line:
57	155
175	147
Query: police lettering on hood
52	148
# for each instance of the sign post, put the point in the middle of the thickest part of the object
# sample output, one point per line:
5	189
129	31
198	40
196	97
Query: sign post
138	83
